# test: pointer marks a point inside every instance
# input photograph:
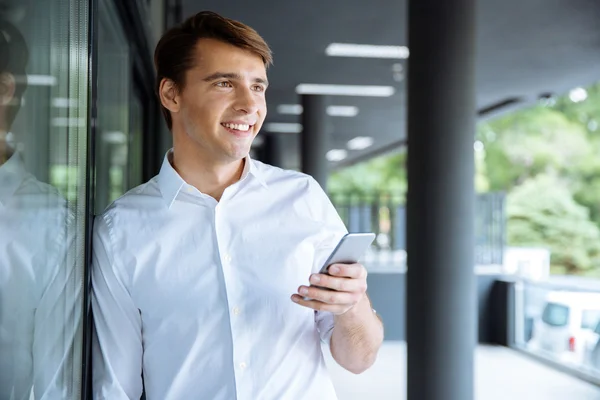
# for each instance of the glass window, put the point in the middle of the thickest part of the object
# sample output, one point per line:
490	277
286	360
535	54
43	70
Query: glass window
43	191
590	319
119	127
556	315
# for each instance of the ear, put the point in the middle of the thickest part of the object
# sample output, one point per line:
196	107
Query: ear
8	86
169	95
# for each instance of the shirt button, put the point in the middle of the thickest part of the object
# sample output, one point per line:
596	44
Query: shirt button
236	311
190	189
227	258
243	365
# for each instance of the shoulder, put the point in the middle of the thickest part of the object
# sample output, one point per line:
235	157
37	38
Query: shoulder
299	190
134	204
41	200
275	176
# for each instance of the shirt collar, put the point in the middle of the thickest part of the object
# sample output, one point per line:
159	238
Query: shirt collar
171	183
12	174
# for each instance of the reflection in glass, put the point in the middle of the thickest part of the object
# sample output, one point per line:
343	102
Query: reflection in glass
560	323
119	124
43	110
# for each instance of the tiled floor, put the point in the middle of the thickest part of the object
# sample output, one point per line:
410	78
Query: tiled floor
501	374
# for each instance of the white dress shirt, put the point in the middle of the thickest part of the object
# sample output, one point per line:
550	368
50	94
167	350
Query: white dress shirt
196	293
40	289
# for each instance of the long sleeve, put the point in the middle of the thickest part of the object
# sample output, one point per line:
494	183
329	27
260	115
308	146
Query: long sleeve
117	342
57	320
40	300
332	231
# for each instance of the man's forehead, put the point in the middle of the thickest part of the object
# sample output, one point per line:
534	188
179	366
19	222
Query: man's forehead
216	51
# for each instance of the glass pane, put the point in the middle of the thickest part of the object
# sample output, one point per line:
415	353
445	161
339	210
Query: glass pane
556	322
118	143
590	319
43	147
556	314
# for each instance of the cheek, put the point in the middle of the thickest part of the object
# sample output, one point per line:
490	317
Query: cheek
262	112
201	112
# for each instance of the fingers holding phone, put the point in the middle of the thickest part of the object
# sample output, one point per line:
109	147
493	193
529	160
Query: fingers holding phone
342	281
337	292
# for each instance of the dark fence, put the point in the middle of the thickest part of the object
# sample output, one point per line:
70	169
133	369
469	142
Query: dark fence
385	214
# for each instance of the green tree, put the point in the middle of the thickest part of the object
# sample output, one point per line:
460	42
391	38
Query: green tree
524	144
546	158
381	174
543	213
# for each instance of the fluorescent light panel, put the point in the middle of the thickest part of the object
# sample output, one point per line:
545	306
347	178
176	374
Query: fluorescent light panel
290	109
342	111
283	127
360	143
334	111
114	137
61	102
367	51
345	90
41	80
336	155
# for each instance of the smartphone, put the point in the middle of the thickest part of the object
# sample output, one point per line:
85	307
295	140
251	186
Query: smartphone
349	250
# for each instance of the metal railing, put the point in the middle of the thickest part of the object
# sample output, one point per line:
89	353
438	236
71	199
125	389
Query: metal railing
385	215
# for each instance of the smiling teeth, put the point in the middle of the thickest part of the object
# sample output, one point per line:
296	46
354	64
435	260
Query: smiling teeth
237	127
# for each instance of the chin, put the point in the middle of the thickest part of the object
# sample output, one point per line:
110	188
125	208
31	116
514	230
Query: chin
236	156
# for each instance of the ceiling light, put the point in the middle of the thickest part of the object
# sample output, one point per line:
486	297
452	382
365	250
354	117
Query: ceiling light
478	146
61	102
283	127
342	111
336	155
366	51
578	95
114	137
360	143
64	122
345	90
37	80
291	109
333	111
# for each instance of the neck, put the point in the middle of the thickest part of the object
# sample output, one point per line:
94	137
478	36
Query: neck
206	175
5	150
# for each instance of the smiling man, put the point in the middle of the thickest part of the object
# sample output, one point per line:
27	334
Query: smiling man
199	275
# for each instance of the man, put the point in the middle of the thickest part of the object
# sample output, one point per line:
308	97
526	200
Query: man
200	275
40	286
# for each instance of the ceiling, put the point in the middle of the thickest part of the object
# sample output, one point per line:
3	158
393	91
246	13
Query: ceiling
525	49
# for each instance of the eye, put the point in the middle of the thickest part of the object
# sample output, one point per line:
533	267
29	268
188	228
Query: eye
223	84
258	88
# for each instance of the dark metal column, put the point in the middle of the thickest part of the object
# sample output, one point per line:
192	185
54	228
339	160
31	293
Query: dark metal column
441	301
315	138
273	149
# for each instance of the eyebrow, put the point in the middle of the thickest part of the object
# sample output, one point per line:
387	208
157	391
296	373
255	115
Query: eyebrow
233	75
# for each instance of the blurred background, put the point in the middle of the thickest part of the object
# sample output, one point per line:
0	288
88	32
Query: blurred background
520	298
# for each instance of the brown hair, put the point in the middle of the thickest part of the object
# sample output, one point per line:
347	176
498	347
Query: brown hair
14	56
174	54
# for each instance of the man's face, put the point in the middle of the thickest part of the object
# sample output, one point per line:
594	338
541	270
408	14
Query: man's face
222	105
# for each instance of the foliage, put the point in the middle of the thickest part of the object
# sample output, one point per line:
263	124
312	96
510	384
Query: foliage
546	158
382	174
543	213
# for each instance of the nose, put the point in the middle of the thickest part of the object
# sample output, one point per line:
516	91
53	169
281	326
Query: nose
247	101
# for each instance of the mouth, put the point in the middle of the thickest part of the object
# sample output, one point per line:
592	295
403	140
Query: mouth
238	129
